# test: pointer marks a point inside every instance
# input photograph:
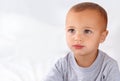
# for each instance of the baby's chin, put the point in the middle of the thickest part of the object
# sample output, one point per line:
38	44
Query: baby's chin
79	52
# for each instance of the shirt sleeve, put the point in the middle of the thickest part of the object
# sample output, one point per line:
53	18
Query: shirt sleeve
56	73
113	73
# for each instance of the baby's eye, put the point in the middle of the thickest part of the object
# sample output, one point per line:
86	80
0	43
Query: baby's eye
87	31
71	30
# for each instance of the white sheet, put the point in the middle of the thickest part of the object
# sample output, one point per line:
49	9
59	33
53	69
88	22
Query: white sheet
19	69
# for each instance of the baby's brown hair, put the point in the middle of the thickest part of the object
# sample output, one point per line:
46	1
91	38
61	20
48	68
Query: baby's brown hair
92	6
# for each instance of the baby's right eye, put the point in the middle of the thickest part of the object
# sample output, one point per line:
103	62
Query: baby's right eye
71	30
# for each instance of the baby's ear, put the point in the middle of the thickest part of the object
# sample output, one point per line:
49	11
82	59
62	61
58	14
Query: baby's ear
103	36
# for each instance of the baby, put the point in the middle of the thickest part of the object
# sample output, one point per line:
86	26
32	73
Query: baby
86	28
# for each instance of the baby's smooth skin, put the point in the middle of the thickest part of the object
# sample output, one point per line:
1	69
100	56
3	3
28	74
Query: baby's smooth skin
85	30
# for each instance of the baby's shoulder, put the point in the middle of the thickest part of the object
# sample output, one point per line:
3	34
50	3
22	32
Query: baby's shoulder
109	60
63	62
110	68
109	63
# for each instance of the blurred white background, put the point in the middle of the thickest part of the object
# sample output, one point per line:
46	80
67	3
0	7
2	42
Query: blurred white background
32	35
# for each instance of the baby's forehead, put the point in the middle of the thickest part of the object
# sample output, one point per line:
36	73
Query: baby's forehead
88	14
86	11
101	12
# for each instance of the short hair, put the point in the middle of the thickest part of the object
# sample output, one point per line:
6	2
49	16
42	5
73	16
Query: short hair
93	6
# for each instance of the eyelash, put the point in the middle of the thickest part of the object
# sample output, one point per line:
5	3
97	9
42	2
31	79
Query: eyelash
71	30
87	31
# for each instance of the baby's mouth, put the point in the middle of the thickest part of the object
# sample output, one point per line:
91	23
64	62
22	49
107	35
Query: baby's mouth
77	46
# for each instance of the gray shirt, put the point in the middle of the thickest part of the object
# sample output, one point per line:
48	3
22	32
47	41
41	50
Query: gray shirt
104	68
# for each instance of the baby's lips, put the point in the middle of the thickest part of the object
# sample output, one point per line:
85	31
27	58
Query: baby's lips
78	46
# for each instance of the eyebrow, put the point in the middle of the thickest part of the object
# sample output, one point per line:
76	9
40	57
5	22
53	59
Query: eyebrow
88	27
76	27
68	27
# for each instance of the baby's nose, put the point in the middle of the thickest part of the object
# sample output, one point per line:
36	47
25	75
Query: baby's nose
78	37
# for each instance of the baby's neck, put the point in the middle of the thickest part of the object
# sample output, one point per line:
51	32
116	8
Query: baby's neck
85	60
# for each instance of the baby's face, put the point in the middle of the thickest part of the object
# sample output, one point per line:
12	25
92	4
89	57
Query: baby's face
84	31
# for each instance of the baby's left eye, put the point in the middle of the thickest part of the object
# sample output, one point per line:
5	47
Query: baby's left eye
87	31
